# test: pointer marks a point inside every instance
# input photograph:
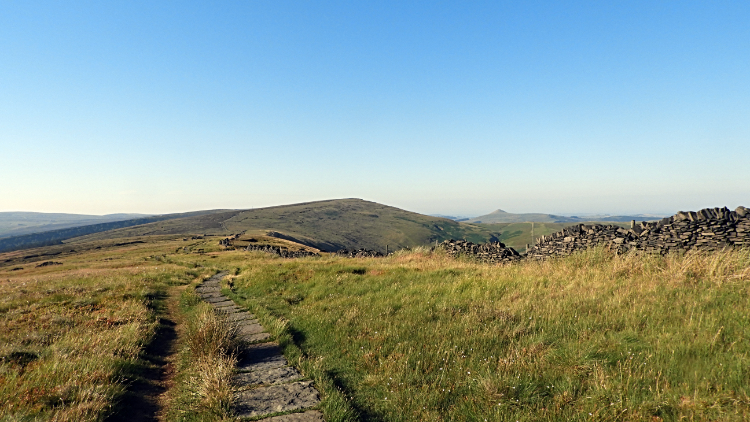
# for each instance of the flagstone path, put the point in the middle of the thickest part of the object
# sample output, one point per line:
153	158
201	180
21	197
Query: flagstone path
265	383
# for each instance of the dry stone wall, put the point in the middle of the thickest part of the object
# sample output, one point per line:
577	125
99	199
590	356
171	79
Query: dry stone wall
494	252
359	253
709	229
280	251
706	230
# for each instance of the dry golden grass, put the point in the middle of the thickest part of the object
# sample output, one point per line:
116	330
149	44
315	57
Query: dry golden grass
70	333
206	364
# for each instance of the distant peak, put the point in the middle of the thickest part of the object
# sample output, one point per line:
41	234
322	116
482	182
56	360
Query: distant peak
499	211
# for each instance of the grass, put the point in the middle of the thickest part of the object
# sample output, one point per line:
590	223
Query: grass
207	357
72	336
420	336
415	336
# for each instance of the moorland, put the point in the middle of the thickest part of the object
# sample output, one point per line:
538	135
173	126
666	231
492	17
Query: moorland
108	327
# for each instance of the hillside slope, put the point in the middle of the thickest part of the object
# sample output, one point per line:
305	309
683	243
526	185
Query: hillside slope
327	225
21	223
500	216
56	237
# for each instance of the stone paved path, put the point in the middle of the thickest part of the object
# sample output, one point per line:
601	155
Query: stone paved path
266	384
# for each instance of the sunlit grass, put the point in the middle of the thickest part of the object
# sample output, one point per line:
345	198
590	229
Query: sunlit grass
416	336
207	357
71	334
421	336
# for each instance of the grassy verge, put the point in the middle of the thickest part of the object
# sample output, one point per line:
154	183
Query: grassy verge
72	336
420	336
206	361
336	405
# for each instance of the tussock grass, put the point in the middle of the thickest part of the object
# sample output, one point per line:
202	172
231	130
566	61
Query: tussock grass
72	336
206	364
422	336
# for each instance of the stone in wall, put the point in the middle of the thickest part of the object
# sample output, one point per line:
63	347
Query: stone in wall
706	230
359	253
493	252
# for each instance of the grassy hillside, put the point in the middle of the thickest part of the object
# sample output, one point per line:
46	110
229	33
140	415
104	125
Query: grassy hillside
55	237
326	225
500	216
20	223
417	336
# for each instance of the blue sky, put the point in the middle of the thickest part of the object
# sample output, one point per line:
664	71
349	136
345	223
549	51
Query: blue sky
435	107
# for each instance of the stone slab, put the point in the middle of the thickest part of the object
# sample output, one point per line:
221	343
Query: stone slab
276	398
223	304
309	416
262	356
243	317
270	376
229	310
206	290
216	299
208	295
255	338
246	329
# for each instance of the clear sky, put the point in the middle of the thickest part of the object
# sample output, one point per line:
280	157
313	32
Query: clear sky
436	107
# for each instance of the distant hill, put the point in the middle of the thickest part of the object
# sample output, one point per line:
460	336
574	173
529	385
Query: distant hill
326	225
20	223
451	217
500	216
56	237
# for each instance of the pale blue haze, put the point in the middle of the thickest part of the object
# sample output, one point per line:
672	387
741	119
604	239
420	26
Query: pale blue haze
435	107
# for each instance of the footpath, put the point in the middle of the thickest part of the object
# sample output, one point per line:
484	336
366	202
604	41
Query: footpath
265	383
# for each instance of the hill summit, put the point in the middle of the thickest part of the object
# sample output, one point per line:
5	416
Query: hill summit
327	225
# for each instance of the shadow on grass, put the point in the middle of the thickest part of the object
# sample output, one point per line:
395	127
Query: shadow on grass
365	414
148	378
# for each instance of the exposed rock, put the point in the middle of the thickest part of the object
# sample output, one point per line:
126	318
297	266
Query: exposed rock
48	263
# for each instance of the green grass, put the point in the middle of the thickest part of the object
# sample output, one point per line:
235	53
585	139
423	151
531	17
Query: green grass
416	336
591	337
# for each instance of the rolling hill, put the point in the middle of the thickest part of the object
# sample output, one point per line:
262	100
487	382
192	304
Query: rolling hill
500	216
326	225
21	223
56	237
